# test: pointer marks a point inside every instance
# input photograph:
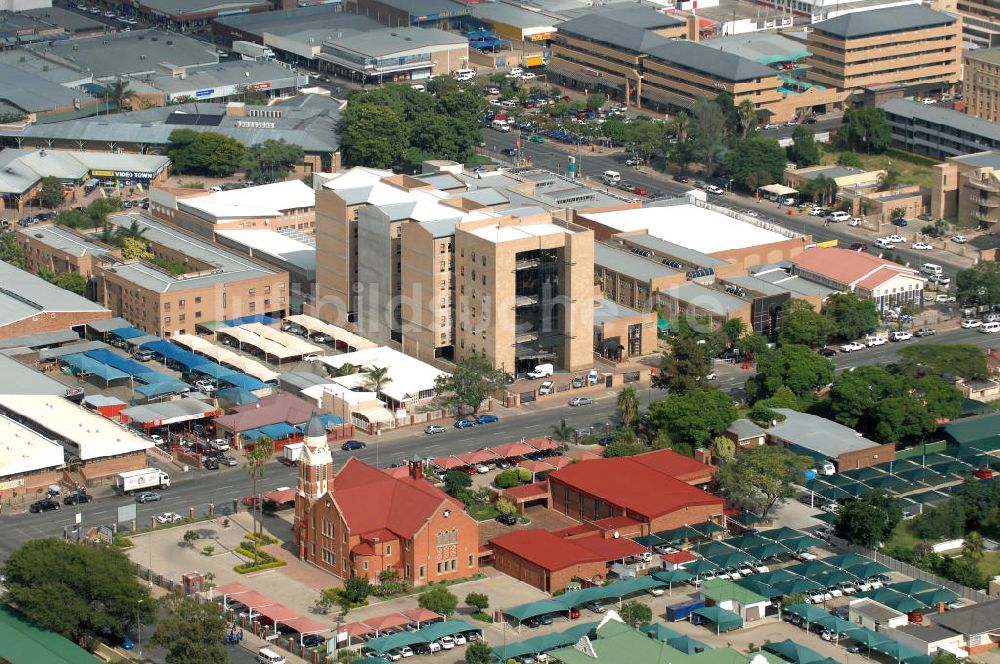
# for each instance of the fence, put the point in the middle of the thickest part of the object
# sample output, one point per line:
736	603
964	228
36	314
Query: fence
910	570
921	450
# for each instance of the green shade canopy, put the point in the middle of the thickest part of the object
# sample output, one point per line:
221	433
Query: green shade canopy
803	543
782	534
724	620
649	541
708	528
826	518
793	652
886	483
837	625
700	566
811	568
796	586
734	559
677	534
867	570
924	475
746	541
868	638
835	578
863	474
769	550
712	549
659	632
672	576
846	560
838	480
746	518
896	650
936	596
759	587
774	576
808	612
913	587
834	493
687	645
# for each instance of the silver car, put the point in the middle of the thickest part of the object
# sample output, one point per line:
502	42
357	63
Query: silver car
434	428
581	401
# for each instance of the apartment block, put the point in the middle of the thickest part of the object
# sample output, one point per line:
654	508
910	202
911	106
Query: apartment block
981	21
938	132
967	189
909	48
981	84
186	281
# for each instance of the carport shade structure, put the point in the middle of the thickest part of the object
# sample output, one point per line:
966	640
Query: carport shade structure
382	623
837	625
447	463
678	534
700	566
473	458
687	645
807	612
724	620
793	652
420	615
512	450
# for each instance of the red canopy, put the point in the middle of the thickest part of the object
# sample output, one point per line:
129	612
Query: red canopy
479	456
254	600
356	629
559	461
421	615
281	495
231	589
542	444
512	450
583	456
277	613
447	462
380	623
304	625
536	466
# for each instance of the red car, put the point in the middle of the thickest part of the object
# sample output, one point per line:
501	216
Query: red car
573	614
251	500
984	473
915	617
640	190
468	470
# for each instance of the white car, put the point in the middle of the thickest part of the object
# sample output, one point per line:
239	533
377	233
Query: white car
971	323
447	642
960	239
804	556
854	221
901	336
921	246
882	243
168	517
751	213
310	358
460	640
832	508
406	651
941	297
896	238
546	388
816	211
581	401
527	76
655	592
482	469
852	346
434	647
393	655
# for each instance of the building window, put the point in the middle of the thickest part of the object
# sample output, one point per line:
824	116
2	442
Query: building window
470	561
406	571
166	320
344	563
252	292
197	315
365	565
441	266
388	549
421	571
267	302
180	319
180	303
197	299
252	306
267	290
166	306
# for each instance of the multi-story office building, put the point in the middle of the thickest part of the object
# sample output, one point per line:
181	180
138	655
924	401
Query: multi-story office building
642	57
967	189
981	21
981	84
938	132
398	266
911	48
395	54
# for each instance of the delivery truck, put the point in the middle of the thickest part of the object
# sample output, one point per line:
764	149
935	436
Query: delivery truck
252	51
291	453
146	479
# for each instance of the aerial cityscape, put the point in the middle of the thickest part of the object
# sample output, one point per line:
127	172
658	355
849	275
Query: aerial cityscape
500	331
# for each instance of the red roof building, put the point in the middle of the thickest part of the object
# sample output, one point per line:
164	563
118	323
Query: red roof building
652	489
888	284
548	561
362	520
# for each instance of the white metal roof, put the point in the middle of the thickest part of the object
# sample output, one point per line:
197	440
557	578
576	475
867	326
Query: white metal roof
690	226
268	200
496	233
23	450
409	375
91	436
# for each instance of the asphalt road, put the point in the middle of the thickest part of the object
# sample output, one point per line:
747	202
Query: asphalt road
553	156
197	489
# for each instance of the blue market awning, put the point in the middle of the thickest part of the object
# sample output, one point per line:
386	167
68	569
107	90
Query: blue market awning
174	352
236	396
279	430
252	318
212	369
82	364
242	381
124	364
331	420
159	388
127	333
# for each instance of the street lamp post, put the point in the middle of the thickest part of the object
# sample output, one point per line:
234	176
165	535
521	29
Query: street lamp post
138	629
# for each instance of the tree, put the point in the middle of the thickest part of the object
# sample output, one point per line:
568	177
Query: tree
804	150
708	132
623	449
903	419
747	113
944	521
734	329
755	159
377	379
133	231
11	251
889	181
645	138
695	418
71	281
117	92
794	366
52	191
191	631
478	601
802	324
628	406
356	589
257	458
204	153
76	591
850	159
563	432
133	249
723	447
759	478
974	548
470	383
595	100
478	652
864	130
506	505
455	481
683	368
727	107
372	136
869	520
849	315
636	613
979	285
439	600
272	160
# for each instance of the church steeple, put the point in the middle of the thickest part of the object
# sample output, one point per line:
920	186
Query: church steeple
315	463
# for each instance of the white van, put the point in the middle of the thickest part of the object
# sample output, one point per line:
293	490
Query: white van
987	328
268	656
612	177
465	74
839	216
542	370
500	125
931	268
875	340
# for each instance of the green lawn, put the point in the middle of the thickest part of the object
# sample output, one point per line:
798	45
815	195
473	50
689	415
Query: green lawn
903	537
912	169
990	564
483	512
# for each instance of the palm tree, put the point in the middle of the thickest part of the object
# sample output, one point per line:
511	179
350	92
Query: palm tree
257	457
118	91
346	369
133	231
681	125
377	378
563	432
628	406
973	548
748	116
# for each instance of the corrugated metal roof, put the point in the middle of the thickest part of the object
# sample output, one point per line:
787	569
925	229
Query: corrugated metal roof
23	295
702	59
877	21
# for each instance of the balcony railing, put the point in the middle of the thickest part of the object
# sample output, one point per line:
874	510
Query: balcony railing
985	185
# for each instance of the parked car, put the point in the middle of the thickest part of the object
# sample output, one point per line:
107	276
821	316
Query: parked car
210	463
827	352
74	498
581	401
896	239
983	473
959	239
353	445
682	178
944	298
859	246
851	347
596	606
168	517
902	223
465	423
313	640
925	332
147	497
143	355
921	246
900	335
507	519
548	387
447	642
44	505
434	428
971	323
487	419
